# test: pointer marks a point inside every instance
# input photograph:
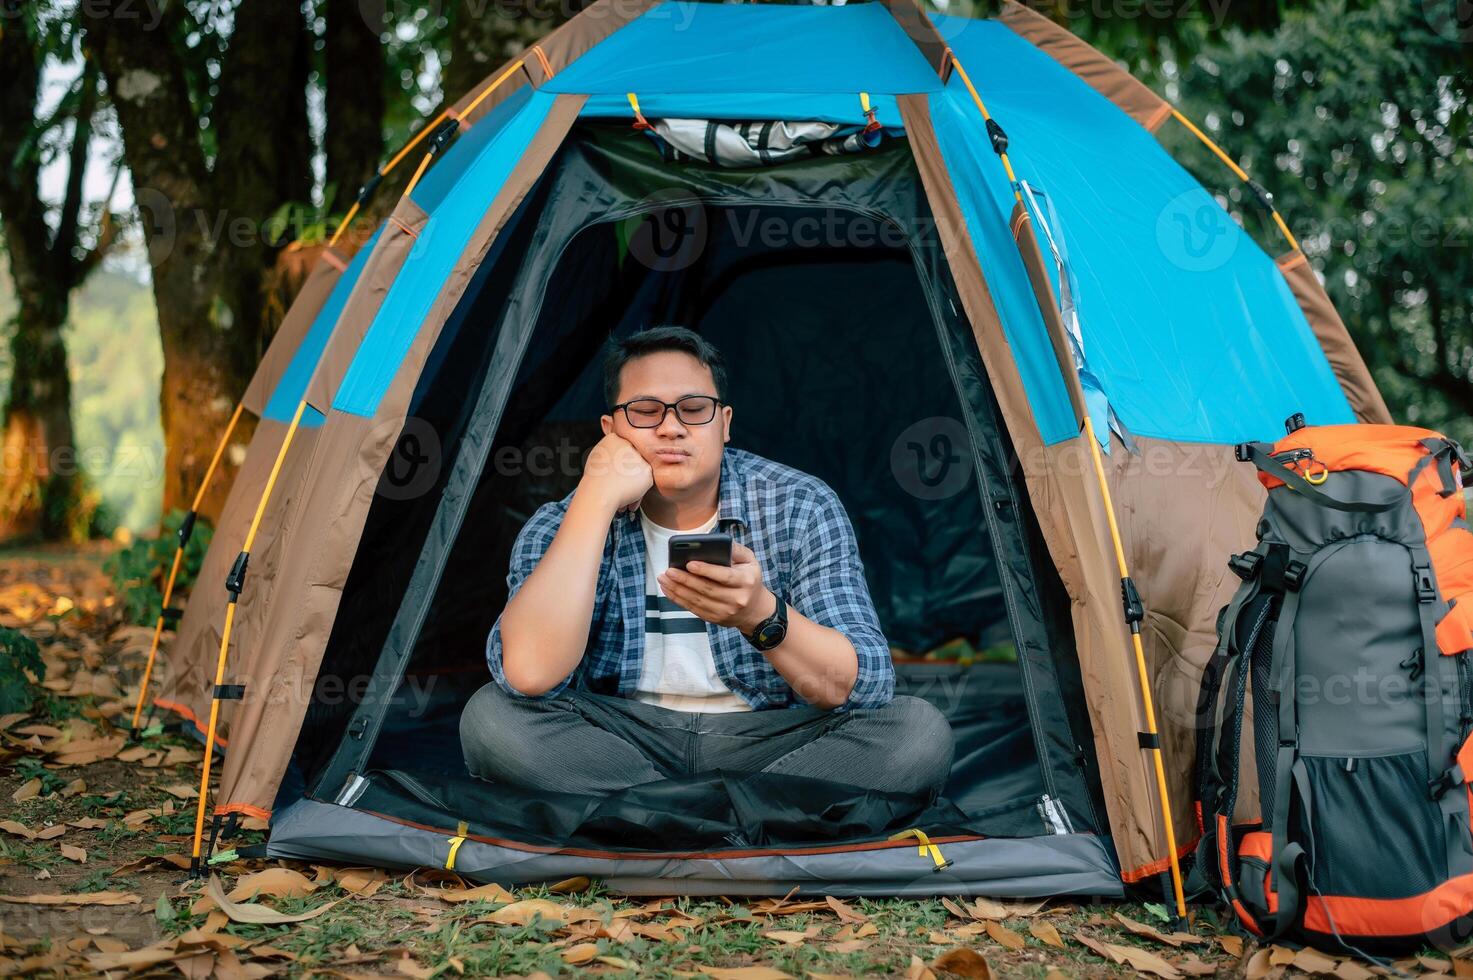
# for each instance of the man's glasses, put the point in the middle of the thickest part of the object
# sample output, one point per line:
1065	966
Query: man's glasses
649	413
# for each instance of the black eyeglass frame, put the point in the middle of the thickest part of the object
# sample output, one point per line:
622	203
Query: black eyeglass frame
716	403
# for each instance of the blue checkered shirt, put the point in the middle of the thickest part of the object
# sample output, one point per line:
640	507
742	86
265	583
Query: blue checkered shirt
805	547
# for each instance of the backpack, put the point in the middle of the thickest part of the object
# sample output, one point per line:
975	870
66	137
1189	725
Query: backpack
1345	655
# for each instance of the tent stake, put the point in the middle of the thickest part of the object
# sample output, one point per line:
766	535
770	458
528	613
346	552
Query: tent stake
234	583
186	530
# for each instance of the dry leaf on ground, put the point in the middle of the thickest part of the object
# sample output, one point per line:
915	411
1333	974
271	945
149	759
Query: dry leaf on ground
1139	959
276	882
524	912
963	962
845	912
85	898
1175	939
1045	932
258	914
919	970
1004	936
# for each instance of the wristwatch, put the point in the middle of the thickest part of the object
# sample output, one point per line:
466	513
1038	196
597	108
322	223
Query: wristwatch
772	630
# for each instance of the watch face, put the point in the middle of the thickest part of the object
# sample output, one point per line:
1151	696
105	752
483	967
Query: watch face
771	635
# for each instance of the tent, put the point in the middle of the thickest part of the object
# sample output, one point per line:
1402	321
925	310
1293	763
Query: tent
1010	280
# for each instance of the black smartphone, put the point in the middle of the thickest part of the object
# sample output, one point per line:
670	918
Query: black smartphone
714	549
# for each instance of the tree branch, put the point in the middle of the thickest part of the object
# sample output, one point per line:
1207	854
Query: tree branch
71	204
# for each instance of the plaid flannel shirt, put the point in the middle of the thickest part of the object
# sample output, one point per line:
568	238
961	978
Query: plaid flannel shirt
805	546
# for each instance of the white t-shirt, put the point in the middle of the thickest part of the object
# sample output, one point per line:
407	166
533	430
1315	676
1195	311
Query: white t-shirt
679	672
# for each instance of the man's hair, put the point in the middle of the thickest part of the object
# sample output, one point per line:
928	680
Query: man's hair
654	341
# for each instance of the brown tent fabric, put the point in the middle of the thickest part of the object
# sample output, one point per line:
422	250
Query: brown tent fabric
187	666
1093	68
294	326
556	51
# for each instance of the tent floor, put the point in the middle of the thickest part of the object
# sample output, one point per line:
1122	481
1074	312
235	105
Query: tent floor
995	786
1032	867
695	837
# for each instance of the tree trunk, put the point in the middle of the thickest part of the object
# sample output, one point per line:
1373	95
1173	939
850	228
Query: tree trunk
204	229
40	485
40	476
354	70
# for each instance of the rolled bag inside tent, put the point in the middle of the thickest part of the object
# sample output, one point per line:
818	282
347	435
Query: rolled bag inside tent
187	661
354	446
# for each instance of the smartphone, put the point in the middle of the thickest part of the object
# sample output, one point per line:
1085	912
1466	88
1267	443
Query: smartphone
714	549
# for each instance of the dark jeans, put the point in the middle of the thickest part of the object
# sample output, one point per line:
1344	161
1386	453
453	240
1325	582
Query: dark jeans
592	743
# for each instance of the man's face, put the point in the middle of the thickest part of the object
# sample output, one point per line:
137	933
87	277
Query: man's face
681	456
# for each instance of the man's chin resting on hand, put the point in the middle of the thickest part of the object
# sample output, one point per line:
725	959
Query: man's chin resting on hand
611	669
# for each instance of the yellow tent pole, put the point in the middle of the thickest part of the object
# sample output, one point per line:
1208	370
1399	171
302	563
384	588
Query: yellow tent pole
1264	197
1131	598
431	127
234	583
994	131
186	529
1133	615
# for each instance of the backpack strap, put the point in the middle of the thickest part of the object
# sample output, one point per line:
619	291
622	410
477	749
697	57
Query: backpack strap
1285	855
1225	747
1443	453
1260	455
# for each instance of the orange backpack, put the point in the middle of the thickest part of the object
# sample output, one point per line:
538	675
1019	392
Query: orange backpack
1346	654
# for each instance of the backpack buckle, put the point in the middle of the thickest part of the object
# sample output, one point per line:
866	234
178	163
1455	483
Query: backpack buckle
1246	565
1413	664
1426	585
1294	575
1439	786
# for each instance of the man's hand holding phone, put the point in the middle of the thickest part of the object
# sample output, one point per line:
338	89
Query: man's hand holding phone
724	595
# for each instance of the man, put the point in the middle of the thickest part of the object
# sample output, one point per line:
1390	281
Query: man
611	669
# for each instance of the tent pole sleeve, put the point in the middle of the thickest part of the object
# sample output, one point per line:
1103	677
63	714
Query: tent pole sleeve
185	529
234	584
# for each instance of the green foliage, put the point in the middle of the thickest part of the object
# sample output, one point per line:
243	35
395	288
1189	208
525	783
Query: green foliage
1355	115
18	655
139	570
115	361
30	767
305	224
